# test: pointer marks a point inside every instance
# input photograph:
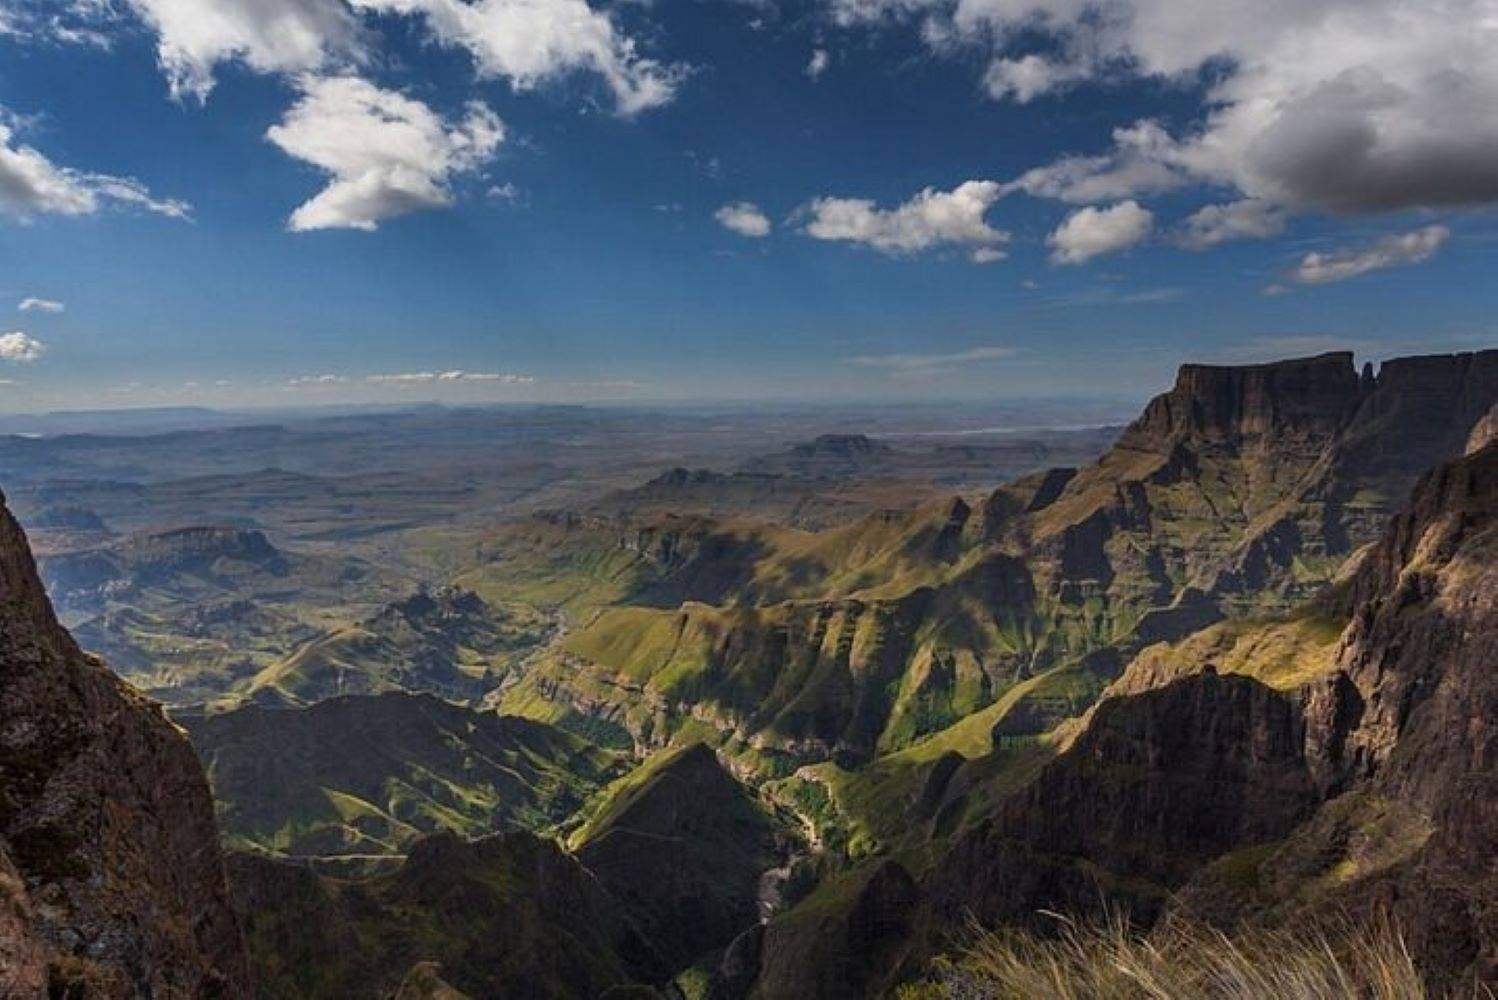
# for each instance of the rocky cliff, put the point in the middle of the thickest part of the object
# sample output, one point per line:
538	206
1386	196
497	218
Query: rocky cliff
112	879
1368	788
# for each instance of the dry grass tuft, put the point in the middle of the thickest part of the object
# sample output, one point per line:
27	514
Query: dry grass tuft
1109	960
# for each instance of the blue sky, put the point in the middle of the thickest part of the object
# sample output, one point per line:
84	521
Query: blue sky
306	201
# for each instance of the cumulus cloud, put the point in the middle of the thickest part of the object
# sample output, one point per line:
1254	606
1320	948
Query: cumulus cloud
744	218
41	305
818	64
31	184
930	219
1347	105
1390	251
386	154
1240	220
529	42
268	36
1091	232
19	348
422	378
924	364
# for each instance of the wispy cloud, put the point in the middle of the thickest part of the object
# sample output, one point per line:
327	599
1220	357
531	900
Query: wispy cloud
310	381
41	305
1391	251
424	378
924	364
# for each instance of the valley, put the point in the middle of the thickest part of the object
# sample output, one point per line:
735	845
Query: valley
770	707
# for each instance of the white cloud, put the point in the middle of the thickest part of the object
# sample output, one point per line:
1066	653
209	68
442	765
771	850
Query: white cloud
1347	105
744	218
54	21
19	348
1239	220
314	381
1391	251
41	305
387	154
1028	77
1142	161
31	184
819	63
421	378
268	36
987	255
529	42
506	193
930	219
909	364
1091	232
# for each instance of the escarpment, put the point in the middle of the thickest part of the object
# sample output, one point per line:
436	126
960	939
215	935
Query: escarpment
1241	492
113	868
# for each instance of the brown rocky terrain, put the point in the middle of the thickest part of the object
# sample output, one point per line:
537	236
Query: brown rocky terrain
112	879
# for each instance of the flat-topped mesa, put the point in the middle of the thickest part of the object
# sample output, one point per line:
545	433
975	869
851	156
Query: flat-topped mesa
206	542
1306	397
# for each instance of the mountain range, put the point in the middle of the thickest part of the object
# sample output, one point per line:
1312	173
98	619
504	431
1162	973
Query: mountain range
1235	672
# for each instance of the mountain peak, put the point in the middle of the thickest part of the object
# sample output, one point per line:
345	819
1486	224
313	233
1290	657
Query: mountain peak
1303	396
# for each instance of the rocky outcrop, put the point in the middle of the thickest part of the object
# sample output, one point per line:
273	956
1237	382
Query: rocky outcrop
853	939
113	870
683	848
1156	785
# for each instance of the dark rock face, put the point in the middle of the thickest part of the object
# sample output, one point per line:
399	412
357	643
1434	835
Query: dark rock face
1155	786
1309	398
684	855
855	944
105	817
1421	653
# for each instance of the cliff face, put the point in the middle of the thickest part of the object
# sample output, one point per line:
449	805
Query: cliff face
1253	404
105	817
1420	655
1369	787
1155	786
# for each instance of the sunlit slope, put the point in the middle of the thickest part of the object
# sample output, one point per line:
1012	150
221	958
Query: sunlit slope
1240	492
